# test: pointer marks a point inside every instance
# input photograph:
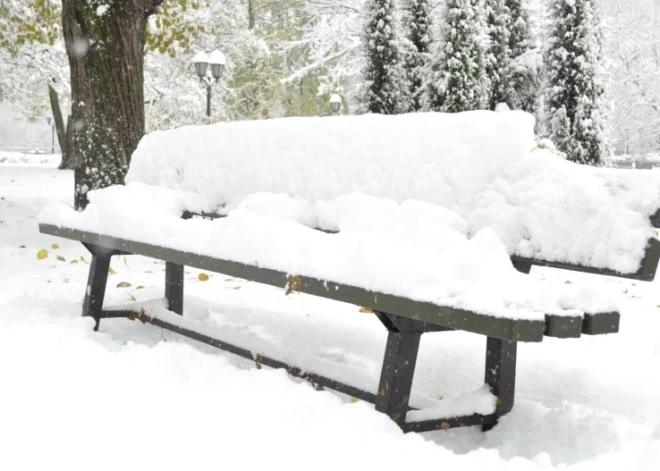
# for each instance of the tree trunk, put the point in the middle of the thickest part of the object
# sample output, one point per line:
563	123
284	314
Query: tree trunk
59	128
105	42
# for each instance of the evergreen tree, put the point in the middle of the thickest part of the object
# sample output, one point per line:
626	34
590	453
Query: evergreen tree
385	91
457	79
417	25
498	59
524	73
576	104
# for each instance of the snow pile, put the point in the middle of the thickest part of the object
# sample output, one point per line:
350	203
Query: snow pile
424	156
416	250
479	165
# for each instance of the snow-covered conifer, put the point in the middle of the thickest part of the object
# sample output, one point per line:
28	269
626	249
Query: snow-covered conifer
498	59
417	27
385	90
576	107
524	55
457	80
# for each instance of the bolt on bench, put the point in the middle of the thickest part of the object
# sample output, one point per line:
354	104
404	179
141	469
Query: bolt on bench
473	174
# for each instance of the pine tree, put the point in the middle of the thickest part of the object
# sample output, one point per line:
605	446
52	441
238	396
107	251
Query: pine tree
457	80
525	77
385	90
417	25
576	104
498	59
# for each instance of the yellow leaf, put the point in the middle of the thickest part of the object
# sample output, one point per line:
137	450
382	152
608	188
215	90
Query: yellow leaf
139	287
82	259
203	277
54	246
112	271
354	399
236	287
74	261
123	284
366	310
61	259
568	282
43	253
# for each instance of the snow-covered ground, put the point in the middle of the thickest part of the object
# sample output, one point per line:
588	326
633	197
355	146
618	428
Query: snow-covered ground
135	397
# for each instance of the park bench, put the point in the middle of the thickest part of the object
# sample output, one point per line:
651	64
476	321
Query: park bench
209	172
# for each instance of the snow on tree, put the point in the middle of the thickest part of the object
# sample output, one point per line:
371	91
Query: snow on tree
576	107
525	56
634	48
384	85
457	80
416	20
498	60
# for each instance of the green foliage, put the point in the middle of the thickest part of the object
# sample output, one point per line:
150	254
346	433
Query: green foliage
28	21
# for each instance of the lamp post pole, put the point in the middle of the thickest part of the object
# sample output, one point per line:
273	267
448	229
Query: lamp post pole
52	135
209	69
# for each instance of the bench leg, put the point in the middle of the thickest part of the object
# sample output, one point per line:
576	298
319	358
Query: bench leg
174	287
397	374
96	284
501	375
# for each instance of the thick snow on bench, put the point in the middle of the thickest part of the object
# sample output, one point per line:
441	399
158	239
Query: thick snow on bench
415	249
478	165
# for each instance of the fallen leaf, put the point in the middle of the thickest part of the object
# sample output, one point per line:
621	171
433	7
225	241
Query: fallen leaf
354	399
61	259
132	297
43	253
54	246
366	310
228	279
112	271
123	284
65	280
21	246
568	282
203	277
74	261
236	287
82	259
148	271
139	287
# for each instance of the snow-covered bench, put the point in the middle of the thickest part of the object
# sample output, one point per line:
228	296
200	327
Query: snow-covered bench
428	219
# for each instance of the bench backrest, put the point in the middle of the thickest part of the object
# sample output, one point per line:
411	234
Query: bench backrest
480	165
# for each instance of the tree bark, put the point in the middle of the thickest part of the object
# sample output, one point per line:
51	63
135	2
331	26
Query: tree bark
105	42
59	127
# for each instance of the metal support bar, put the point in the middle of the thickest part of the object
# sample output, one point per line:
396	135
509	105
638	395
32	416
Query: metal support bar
501	375
174	287
96	284
397	374
319	381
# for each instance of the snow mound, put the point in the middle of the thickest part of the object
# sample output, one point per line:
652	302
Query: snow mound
483	166
415	250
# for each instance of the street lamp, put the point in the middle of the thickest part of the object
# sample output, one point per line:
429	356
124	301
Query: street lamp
335	103
52	134
209	69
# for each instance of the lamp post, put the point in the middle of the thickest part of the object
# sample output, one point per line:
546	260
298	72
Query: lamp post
209	69
52	134
335	103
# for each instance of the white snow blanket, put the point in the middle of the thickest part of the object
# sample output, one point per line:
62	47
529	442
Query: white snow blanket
429	206
479	165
